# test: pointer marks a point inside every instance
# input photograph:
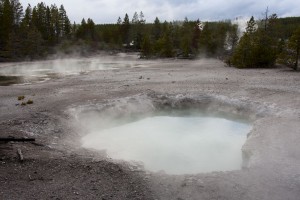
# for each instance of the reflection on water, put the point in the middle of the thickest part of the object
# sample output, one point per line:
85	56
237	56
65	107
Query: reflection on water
176	145
9	80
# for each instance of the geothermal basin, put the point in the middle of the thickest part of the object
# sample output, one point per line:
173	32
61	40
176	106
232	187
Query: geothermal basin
121	105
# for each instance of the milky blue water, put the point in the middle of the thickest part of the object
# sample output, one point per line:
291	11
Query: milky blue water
175	145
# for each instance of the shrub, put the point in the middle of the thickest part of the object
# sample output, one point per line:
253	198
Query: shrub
21	98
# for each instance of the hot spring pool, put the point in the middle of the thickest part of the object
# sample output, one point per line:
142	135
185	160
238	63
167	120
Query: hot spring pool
175	145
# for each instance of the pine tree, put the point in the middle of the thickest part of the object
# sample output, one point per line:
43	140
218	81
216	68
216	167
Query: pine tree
119	21
243	54
56	22
156	29
125	28
294	44
257	48
290	54
135	18
232	38
26	21
7	22
186	39
142	18
165	43
196	35
146	47
251	26
90	31
64	23
17	10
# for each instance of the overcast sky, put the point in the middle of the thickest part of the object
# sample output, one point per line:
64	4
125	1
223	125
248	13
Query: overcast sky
108	11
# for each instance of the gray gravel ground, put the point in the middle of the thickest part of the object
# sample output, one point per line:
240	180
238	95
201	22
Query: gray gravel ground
56	167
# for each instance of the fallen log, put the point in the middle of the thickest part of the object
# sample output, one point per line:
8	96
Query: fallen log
12	139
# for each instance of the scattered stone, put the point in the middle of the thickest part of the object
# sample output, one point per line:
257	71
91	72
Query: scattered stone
141	77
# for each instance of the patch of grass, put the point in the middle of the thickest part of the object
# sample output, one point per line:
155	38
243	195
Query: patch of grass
20	98
23	104
29	101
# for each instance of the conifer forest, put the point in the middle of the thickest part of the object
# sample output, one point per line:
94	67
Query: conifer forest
37	31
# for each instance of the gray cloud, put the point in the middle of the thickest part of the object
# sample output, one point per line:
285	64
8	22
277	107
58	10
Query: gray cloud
108	11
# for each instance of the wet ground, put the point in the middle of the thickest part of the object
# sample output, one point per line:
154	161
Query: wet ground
10	80
40	71
57	167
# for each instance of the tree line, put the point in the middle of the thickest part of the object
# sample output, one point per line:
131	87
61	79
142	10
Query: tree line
185	39
42	30
31	33
268	41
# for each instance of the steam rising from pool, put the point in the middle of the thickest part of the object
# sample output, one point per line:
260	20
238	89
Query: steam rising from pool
40	71
175	145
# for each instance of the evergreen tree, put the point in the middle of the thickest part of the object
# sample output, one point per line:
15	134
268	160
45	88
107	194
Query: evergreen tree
125	30
33	44
146	47
17	10
135	18
186	39
165	44
156	29
26	21
294	44
251	26
257	48
64	23
196	36
90	30
142	18
119	21
243	56
290	54
55	23
6	23
232	38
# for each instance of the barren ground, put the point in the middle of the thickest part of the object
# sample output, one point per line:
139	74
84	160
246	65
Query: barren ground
56	167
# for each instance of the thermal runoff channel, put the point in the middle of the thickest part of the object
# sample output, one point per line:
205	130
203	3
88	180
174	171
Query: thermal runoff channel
175	145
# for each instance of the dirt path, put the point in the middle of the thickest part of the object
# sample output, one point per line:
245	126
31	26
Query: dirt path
56	167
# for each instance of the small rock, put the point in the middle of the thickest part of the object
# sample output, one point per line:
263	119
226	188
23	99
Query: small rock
140	77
